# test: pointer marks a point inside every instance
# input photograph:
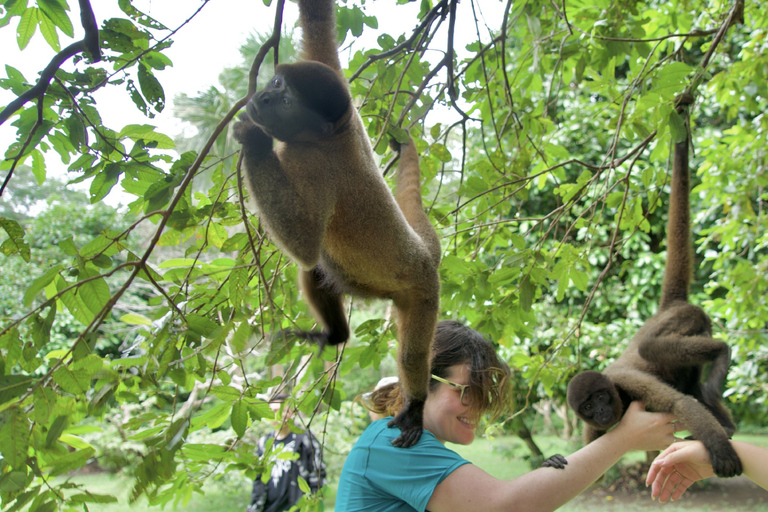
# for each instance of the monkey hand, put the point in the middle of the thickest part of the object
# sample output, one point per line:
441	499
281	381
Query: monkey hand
255	141
556	461
410	421
725	462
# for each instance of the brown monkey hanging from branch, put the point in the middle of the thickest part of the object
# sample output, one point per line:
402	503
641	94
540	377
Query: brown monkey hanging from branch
662	365
323	201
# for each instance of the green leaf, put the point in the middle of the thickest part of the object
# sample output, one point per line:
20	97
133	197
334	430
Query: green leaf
40	328
12	386
27	27
147	133
134	319
226	393
40	283
48	29
580	279
76	382
71	461
45	401
56	12
441	152
14	438
94	293
13	482
203	452
90	497
239	418
15	244
151	88
103	182
55	431
38	166
527	294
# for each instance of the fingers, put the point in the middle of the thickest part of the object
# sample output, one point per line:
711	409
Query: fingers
668	484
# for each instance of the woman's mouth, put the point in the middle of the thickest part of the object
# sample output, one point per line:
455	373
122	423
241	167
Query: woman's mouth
464	420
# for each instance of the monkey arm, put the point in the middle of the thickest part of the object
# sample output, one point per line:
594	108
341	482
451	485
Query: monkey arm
296	221
318	22
660	397
591	433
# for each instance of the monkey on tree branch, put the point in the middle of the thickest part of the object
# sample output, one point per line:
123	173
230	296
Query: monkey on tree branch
324	202
663	364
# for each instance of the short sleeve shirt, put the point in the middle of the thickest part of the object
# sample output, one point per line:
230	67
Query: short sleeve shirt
379	477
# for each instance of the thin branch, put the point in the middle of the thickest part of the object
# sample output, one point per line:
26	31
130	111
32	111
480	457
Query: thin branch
90	43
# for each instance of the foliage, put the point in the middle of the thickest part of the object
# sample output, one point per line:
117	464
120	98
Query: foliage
544	147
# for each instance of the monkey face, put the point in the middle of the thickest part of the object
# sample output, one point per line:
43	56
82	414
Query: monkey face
595	400
597	408
280	111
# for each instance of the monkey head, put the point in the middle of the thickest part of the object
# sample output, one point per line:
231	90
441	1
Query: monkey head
594	399
303	101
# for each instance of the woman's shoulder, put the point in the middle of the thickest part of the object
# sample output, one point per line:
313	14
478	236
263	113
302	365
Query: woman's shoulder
380	435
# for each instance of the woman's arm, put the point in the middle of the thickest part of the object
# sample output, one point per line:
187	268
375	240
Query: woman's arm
683	463
470	489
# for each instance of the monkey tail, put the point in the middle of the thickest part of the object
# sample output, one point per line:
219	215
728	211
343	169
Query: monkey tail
679	267
408	197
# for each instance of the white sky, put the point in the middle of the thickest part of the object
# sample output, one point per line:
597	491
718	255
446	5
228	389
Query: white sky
201	50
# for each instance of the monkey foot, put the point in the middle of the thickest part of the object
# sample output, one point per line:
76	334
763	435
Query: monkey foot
410	421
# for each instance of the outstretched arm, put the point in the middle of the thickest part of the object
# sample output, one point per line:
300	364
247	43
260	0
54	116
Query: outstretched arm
318	23
546	489
683	463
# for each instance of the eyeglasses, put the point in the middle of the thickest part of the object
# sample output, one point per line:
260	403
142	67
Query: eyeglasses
465	398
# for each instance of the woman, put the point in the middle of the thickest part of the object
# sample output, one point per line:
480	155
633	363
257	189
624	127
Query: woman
469	381
677	467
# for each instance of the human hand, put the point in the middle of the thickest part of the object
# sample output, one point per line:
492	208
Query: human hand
676	468
645	431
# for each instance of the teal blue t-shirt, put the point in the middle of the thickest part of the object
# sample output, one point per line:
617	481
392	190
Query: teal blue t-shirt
378	477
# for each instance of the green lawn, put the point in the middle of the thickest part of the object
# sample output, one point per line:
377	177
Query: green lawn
502	457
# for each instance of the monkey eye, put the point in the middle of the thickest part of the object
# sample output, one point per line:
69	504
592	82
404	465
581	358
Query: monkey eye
287	103
276	82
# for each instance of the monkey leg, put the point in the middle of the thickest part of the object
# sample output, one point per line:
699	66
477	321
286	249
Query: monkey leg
416	321
660	397
408	197
675	350
327	306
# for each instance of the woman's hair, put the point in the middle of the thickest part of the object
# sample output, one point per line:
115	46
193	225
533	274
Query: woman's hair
457	344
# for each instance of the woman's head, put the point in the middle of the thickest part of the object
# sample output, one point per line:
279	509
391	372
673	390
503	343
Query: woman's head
457	345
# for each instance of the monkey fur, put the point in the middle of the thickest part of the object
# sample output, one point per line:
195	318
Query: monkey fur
324	202
662	366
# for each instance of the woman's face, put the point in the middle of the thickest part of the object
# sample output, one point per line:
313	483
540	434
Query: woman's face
445	416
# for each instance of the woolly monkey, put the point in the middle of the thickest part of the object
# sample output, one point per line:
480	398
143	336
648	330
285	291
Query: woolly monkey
322	199
662	365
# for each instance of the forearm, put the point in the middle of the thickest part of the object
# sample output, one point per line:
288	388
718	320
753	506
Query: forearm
549	488
754	461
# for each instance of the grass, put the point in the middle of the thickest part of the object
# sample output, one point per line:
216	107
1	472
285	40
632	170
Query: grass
216	498
503	457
